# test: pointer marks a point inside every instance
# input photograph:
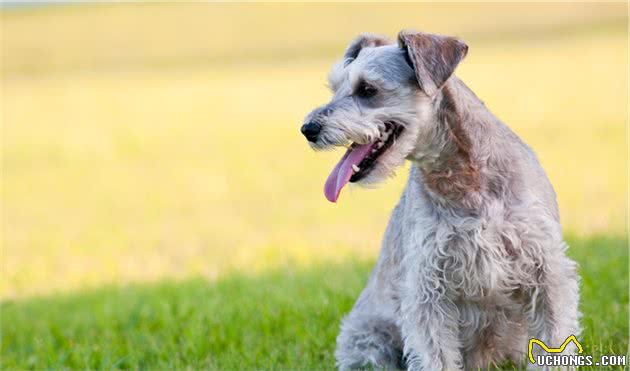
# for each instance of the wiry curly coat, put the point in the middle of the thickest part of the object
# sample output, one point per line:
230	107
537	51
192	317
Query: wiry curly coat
473	261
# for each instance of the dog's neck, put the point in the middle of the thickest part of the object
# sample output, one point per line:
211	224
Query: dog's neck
446	159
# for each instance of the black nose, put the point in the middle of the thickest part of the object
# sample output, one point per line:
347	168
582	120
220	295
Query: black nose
311	130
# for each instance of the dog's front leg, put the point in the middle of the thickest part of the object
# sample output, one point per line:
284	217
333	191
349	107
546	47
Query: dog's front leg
553	313
429	326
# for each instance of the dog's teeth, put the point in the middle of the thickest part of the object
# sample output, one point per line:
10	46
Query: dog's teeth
380	144
356	168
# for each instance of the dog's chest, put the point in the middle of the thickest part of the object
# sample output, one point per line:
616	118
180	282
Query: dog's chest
461	256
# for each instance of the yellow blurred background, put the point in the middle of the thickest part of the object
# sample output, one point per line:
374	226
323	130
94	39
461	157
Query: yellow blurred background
149	141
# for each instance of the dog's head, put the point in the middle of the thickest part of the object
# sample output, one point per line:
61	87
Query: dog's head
383	95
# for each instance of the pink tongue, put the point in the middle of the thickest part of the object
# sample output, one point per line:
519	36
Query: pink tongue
342	172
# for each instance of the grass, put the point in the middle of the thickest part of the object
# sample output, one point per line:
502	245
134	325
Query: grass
279	320
283	319
134	155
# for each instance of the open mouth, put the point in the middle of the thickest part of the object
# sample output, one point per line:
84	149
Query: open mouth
387	138
359	160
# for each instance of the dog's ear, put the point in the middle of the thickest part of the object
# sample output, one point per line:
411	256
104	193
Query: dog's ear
363	41
433	57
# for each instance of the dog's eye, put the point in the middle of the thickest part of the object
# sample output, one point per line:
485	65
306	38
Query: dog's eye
365	90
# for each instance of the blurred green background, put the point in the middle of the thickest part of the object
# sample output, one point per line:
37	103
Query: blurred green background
160	208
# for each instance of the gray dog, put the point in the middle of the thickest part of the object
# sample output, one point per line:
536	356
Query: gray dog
473	261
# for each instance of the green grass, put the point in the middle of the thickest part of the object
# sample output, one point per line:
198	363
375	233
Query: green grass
287	319
278	320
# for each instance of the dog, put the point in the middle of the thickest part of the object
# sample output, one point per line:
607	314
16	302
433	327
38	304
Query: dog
473	260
